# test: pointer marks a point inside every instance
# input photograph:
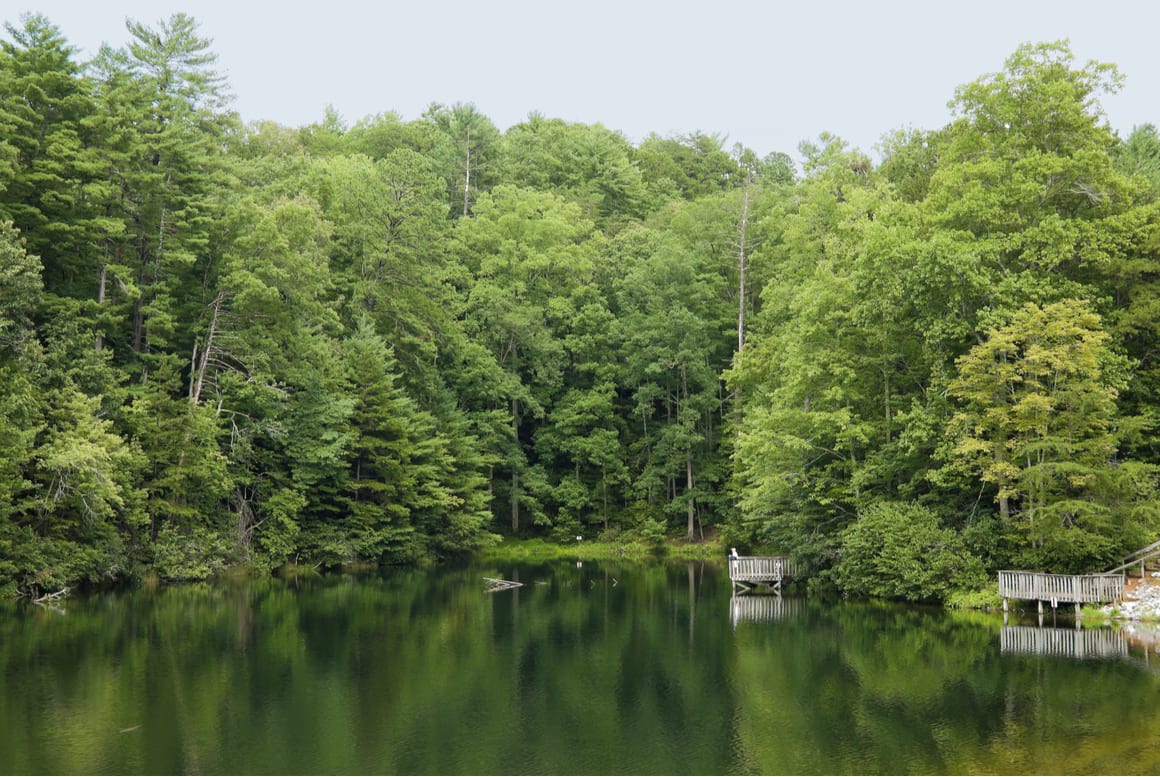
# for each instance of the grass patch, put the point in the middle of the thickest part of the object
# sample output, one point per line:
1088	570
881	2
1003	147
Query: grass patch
986	598
1095	615
510	549
290	570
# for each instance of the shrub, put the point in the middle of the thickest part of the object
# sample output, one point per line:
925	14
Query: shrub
652	533
986	598
900	551
192	554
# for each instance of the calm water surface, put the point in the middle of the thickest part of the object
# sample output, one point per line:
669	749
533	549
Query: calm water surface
598	669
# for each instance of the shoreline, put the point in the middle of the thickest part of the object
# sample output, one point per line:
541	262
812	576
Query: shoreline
596	550
1140	603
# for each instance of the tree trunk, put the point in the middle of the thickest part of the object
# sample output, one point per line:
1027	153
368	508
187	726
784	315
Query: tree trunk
515	495
691	529
467	175
741	269
604	487
101	299
691	509
138	325
886	400
195	385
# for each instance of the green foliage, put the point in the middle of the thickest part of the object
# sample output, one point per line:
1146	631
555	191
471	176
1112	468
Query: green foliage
188	474
1039	425
55	190
1139	155
829	372
877	355
689	166
381	341
32	564
983	599
652	532
163	109
193	553
463	152
900	551
389	223
20	358
85	469
623	547
586	164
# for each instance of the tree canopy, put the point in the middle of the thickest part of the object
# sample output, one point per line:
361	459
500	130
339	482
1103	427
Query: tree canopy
399	340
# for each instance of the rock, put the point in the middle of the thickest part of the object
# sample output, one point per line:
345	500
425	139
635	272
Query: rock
1142	602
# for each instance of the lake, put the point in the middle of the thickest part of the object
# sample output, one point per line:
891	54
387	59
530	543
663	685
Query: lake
585	669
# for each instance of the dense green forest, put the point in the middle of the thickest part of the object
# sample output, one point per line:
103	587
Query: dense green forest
400	340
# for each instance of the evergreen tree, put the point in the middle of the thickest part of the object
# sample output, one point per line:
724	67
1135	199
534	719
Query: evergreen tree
165	115
56	188
21	361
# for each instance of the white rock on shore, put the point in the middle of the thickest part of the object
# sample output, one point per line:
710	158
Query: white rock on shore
1142	602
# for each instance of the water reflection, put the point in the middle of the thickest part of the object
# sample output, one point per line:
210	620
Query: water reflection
868	688
749	608
1065	643
602	669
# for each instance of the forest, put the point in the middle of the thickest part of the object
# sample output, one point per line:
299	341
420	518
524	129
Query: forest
400	341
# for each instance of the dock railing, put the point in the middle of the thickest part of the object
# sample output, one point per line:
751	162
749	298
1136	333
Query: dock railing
761	569
1044	587
769	571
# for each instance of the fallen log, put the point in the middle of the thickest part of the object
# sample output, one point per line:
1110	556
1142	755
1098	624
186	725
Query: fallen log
495	584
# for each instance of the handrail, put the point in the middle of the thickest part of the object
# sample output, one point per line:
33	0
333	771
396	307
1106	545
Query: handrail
1141	555
761	567
1042	586
1155	546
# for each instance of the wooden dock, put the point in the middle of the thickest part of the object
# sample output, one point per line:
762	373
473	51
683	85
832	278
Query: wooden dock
746	572
1060	589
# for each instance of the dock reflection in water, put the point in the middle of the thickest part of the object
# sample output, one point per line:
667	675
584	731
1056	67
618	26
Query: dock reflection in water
1064	643
756	608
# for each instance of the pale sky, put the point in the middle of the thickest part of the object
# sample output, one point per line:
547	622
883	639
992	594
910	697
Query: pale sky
766	74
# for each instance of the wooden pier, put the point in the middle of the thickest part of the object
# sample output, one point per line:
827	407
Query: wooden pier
746	572
1060	589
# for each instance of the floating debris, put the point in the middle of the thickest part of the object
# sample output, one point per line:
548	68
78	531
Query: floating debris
52	597
495	584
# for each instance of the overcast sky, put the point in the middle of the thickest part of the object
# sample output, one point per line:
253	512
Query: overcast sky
766	74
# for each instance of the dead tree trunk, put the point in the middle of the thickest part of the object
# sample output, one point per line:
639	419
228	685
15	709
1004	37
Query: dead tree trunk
197	379
467	176
741	267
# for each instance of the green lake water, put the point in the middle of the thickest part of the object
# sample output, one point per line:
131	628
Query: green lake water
592	669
